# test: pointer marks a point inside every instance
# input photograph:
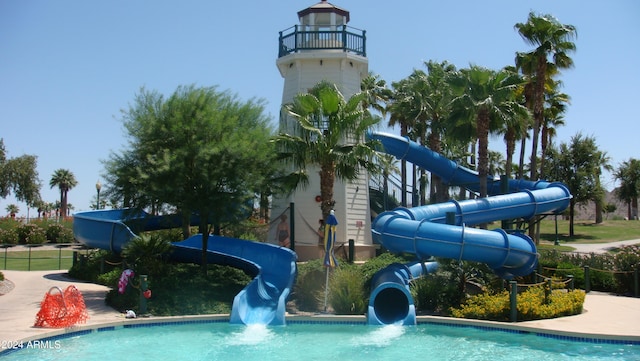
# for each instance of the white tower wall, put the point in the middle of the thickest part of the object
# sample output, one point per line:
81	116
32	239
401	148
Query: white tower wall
301	71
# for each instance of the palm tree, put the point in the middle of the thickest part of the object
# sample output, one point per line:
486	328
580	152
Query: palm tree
628	173
436	100
387	164
328	133
515	128
552	40
400	114
377	94
553	118
485	99
12	209
603	161
65	181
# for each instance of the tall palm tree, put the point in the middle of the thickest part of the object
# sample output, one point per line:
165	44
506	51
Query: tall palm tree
603	161
327	133
12	209
65	181
628	173
525	63
552	40
515	128
484	100
399	110
377	94
387	164
553	118
436	100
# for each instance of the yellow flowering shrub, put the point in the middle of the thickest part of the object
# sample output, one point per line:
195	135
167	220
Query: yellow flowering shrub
532	304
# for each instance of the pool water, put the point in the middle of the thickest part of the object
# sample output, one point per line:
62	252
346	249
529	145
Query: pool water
222	341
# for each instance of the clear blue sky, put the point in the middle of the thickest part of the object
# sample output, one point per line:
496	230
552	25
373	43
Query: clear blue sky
68	67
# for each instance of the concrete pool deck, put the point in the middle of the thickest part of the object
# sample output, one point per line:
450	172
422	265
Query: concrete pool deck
605	317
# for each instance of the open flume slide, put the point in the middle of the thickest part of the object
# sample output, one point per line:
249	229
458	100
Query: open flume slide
423	230
274	268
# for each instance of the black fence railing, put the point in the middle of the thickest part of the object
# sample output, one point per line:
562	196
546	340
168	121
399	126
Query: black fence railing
347	39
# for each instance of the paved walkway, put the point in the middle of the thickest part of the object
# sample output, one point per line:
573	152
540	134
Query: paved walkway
20	306
605	316
599	248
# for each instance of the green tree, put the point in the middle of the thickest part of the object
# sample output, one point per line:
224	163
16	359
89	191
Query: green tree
20	176
327	132
199	151
628	173
577	165
65	181
484	101
552	40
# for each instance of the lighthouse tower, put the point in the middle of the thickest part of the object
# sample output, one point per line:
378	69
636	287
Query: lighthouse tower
323	48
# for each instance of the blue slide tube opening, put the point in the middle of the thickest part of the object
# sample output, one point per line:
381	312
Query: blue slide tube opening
390	301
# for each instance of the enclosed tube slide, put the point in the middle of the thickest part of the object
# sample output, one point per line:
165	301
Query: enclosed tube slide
391	301
262	301
423	230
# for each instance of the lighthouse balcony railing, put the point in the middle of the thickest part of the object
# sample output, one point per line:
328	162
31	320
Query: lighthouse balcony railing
344	38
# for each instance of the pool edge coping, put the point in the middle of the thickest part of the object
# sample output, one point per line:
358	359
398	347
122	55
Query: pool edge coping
494	326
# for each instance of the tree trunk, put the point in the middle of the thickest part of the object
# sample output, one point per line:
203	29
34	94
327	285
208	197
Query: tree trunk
186	225
203	228
599	212
572	206
327	179
510	139
483	153
523	143
538	114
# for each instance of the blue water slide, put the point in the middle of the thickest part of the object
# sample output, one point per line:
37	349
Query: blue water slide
391	301
449	171
424	232
274	268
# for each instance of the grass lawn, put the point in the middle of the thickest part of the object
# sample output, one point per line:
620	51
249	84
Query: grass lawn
589	232
42	260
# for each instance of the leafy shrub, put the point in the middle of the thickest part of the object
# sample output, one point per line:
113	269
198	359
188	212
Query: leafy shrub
373	265
346	291
449	286
1	276
601	277
147	254
626	261
8	223
57	233
93	264
31	233
8	236
532	304
111	278
309	286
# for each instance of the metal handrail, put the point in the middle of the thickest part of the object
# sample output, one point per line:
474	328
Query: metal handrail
344	38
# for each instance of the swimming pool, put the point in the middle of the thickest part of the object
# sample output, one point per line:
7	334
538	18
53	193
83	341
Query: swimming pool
305	341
